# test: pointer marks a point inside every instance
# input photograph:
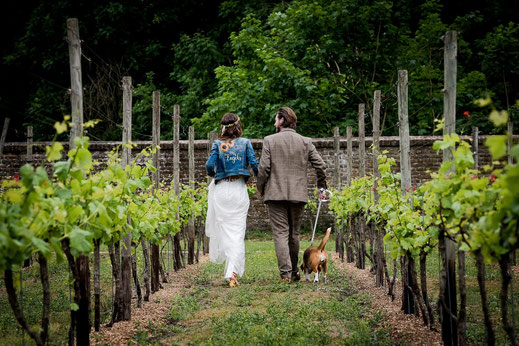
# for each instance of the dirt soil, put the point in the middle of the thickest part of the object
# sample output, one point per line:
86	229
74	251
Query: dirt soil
153	314
407	329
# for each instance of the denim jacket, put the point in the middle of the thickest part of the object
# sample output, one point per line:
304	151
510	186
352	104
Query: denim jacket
231	158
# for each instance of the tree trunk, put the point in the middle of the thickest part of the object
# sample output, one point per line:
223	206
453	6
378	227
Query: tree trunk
191	242
161	266
80	319
416	290
83	321
114	250
45	316
39	338
357	232
408	305
506	278
462	316
371	235
136	275
393	280
350	243
163	277
146	256
339	245
423	283
155	264
380	257
447	297
28	262
480	264
97	285
362	242
176	250
198	231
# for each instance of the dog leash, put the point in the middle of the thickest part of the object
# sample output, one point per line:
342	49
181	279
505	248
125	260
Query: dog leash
321	200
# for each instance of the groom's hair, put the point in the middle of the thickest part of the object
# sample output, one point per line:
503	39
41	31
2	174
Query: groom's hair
289	116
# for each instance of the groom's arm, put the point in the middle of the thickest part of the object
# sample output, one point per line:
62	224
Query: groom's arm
318	164
264	168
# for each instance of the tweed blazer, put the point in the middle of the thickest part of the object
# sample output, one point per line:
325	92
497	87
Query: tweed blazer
282	172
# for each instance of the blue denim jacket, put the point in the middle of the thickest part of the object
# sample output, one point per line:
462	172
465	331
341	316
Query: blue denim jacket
231	158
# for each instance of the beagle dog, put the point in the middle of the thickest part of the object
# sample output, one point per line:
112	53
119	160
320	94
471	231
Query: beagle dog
315	259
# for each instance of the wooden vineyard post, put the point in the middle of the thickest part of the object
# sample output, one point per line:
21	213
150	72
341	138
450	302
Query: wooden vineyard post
475	146
408	305
362	142
211	137
339	234
154	248
336	161
76	86
191	225
4	135
29	159
177	263
379	245
29	144
97	266
448	308
81	318
350	256
510	144
126	253
403	118
361	258
349	154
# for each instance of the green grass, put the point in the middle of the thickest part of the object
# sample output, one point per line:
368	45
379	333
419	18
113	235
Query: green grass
59	305
260	311
475	325
263	311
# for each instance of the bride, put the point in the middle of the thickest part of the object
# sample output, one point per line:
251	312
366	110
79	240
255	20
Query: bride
228	201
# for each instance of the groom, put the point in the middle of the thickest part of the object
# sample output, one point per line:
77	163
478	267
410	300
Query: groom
283	183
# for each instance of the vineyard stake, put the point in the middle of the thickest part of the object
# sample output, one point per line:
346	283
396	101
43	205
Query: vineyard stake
449	326
4	134
127	241
76	84
362	173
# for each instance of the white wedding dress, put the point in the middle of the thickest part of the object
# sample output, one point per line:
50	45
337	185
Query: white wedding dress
228	205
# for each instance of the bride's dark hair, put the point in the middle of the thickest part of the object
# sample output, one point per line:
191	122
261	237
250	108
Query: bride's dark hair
231	127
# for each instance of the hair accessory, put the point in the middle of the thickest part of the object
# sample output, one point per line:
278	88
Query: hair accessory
229	125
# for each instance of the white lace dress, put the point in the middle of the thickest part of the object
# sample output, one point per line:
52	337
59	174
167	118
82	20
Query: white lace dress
228	204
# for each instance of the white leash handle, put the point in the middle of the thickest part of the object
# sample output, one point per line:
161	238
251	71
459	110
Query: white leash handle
329	195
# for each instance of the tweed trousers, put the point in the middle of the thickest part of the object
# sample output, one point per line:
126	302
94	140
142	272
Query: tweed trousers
285	220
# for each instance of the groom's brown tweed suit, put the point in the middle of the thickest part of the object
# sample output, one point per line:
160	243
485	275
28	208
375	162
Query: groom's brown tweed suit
282	178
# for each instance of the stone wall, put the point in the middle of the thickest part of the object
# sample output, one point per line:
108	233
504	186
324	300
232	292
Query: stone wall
423	159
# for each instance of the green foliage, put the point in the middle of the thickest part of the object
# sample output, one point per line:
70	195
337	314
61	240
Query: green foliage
499	49
322	58
478	208
78	203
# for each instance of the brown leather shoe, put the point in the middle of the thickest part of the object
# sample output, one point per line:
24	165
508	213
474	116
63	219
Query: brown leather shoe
296	277
287	280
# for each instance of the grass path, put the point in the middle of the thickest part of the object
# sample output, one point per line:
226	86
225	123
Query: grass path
263	311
